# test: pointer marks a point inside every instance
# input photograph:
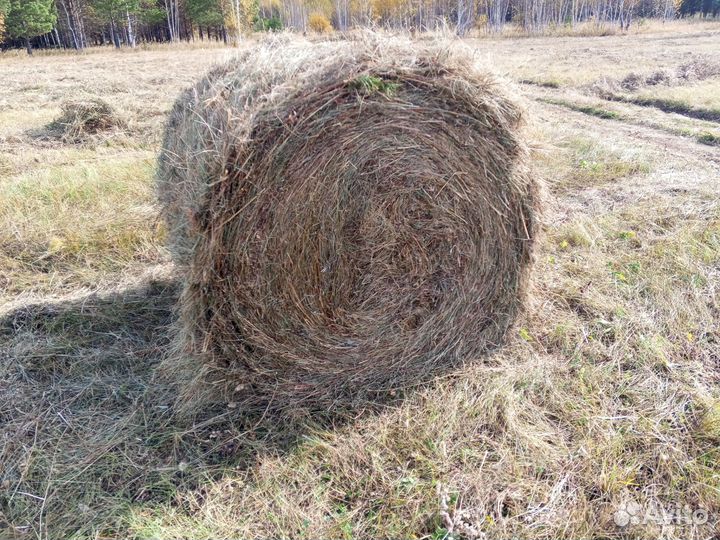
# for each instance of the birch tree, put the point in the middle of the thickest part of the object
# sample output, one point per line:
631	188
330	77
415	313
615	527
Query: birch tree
239	16
172	10
465	16
118	14
72	10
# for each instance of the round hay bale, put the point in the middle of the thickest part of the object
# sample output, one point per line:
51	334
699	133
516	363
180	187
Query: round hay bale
350	218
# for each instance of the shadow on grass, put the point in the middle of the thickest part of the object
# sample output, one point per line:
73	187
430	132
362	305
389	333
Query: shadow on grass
86	430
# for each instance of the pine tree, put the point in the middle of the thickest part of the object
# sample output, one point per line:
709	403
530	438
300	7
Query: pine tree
205	12
27	19
240	16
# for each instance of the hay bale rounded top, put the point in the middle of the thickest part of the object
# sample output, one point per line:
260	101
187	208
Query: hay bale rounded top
351	218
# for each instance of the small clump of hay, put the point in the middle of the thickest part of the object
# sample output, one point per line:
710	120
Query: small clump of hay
81	118
698	69
350	219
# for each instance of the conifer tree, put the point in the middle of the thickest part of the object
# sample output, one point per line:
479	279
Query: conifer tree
27	19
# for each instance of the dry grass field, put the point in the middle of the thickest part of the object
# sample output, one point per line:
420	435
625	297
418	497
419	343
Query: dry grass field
606	398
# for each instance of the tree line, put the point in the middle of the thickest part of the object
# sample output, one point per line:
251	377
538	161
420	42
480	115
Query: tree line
78	24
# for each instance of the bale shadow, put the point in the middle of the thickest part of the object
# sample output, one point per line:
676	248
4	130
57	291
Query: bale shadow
84	418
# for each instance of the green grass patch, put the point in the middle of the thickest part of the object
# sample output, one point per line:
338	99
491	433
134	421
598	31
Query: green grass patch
676	106
597	112
711	139
590	110
549	83
372	84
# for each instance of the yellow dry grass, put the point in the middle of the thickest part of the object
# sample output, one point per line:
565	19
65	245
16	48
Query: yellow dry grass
572	60
701	95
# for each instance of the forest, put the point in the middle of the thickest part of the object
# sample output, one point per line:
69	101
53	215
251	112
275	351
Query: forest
77	24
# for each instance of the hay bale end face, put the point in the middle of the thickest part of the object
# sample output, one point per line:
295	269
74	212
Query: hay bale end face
351	218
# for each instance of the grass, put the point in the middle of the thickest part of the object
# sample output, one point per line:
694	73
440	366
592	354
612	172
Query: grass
701	131
542	83
608	397
371	84
15	122
579	162
595	165
711	139
576	62
674	106
607	392
696	100
598	112
75	220
701	95
590	110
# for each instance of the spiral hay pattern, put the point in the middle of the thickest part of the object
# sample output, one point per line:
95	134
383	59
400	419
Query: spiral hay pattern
351	218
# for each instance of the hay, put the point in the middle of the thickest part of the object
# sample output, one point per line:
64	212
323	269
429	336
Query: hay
698	69
80	118
351	218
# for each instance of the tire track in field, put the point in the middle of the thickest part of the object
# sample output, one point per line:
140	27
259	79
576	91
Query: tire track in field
683	172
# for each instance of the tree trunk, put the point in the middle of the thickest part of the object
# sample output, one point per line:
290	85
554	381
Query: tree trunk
130	31
173	18
114	35
76	41
75	23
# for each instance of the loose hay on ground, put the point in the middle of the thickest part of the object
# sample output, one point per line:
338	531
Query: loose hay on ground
351	218
81	118
698	69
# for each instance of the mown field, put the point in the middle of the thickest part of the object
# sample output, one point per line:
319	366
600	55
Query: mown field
607	394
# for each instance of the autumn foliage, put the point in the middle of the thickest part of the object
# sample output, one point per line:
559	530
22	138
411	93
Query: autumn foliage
317	22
